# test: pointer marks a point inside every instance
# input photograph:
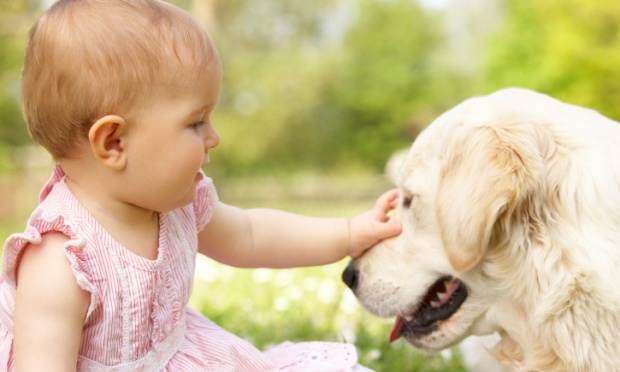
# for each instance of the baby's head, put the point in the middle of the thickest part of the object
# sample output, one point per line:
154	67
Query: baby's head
122	91
89	58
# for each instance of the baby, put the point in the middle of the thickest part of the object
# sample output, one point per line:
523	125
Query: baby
121	93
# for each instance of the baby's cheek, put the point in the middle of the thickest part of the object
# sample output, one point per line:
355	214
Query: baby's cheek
195	155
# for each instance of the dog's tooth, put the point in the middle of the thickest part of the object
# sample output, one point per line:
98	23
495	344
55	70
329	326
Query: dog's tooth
442	296
435	303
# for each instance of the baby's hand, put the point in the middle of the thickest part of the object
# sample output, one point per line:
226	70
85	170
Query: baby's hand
369	228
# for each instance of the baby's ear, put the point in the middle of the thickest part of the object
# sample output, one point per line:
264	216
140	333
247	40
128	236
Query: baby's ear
107	141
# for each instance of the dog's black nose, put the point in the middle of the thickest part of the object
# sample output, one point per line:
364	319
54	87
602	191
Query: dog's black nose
350	276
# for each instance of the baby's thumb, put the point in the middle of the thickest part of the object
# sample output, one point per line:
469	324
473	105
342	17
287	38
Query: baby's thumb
389	229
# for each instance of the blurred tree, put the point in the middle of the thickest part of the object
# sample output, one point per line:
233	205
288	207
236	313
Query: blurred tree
16	16
12	128
567	48
273	55
369	97
311	88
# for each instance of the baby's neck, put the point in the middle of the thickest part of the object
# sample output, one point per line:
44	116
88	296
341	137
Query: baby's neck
134	227
105	206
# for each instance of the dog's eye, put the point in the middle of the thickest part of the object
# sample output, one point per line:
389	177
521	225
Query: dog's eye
407	201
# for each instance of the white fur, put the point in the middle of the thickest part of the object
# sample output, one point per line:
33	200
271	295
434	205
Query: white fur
477	352
518	195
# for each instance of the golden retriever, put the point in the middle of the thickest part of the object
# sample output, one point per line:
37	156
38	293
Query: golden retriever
511	224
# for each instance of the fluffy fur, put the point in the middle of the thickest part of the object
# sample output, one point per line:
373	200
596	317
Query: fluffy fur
518	195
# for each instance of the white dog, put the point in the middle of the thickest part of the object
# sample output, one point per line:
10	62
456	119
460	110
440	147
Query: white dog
511	224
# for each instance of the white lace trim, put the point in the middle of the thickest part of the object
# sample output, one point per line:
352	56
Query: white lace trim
125	315
154	360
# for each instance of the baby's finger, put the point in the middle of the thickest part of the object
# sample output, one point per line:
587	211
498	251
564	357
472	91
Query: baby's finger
385	203
386	199
390	229
394	202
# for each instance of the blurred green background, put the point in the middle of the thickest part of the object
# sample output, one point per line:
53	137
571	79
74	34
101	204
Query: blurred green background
317	96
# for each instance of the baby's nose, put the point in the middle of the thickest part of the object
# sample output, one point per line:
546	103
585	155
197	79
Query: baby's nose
212	139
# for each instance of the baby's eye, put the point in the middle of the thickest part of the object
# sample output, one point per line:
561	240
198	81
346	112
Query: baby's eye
197	125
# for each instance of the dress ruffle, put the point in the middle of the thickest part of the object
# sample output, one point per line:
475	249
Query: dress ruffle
314	356
74	250
6	350
207	347
204	201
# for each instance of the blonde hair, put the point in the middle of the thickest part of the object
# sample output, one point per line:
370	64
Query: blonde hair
89	58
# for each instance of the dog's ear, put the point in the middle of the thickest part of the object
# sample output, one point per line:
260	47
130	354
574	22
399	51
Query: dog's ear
483	178
394	165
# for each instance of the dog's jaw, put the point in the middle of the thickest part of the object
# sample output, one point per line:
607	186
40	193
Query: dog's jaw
450	331
385	300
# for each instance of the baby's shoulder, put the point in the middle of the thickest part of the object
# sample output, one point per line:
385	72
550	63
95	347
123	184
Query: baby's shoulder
45	281
45	260
52	250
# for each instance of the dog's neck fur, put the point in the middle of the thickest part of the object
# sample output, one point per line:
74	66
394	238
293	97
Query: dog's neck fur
571	332
567	257
574	332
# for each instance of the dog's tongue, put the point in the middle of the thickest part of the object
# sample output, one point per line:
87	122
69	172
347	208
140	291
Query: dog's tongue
397	328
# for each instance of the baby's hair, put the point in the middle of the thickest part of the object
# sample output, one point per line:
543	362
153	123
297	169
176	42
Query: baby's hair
89	58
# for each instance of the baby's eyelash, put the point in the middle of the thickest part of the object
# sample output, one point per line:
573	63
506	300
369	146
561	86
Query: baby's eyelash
197	124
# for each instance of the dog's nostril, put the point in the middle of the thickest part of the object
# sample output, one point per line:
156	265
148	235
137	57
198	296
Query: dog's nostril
350	276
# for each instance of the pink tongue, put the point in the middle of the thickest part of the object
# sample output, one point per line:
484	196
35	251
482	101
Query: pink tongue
397	329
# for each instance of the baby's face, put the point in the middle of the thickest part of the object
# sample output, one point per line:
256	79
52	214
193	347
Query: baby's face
169	139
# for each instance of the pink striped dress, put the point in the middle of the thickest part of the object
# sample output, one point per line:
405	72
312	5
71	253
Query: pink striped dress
138	319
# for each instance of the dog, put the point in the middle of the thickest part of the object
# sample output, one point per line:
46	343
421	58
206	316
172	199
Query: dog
510	207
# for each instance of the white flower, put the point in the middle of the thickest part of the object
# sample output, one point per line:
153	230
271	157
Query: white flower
327	292
262	275
446	354
280	304
373	354
349	303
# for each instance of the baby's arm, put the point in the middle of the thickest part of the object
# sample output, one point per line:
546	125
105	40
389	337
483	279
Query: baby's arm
277	239
50	309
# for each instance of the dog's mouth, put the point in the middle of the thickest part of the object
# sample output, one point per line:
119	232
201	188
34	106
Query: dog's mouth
441	301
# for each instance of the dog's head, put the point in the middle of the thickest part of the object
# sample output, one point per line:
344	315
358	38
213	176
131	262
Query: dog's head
471	186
